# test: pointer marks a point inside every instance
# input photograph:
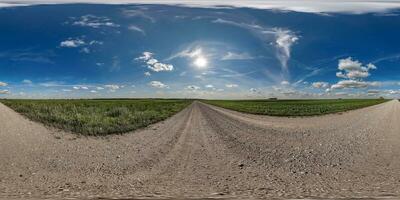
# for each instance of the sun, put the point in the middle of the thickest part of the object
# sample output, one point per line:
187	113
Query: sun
200	62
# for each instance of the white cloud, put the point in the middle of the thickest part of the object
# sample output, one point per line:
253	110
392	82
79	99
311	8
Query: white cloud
52	84
137	29
354	73
192	87
253	90
284	41
99	88
26	81
112	87
147	74
4	92
158	84
72	43
309	6
353	69
94	22
191	52
285	83
236	56
373	91
85	50
153	64
320	85
158	67
93	91
79	87
2	84
281	39
353	84
231	85
66	90
80	42
209	86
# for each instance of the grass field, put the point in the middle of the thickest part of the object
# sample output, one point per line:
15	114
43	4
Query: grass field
294	107
97	117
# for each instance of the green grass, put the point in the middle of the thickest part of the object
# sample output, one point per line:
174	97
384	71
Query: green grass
294	107
97	117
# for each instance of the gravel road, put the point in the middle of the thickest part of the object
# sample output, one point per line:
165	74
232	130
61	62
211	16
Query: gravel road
208	152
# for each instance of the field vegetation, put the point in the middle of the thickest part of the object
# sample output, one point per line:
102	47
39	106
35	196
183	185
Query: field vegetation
97	117
294	107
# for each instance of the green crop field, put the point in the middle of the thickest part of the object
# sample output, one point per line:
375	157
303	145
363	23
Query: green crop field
97	117
294	107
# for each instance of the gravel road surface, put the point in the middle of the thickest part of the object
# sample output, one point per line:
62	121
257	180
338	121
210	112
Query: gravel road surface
208	152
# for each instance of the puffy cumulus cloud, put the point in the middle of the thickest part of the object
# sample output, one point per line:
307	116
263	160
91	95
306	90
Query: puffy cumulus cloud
284	41
353	72
153	64
158	84
236	56
353	69
319	85
72	43
94	21
2	84
192	87
231	85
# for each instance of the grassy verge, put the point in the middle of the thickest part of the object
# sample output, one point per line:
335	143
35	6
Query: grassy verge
294	107
97	117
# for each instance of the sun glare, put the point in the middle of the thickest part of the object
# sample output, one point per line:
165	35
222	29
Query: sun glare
200	62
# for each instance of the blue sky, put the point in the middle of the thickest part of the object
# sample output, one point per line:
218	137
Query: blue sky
199	51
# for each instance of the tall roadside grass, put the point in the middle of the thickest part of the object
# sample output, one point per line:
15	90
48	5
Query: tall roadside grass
97	117
295	107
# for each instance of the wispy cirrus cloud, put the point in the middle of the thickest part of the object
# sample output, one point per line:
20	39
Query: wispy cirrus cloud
29	55
281	39
137	29
236	56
